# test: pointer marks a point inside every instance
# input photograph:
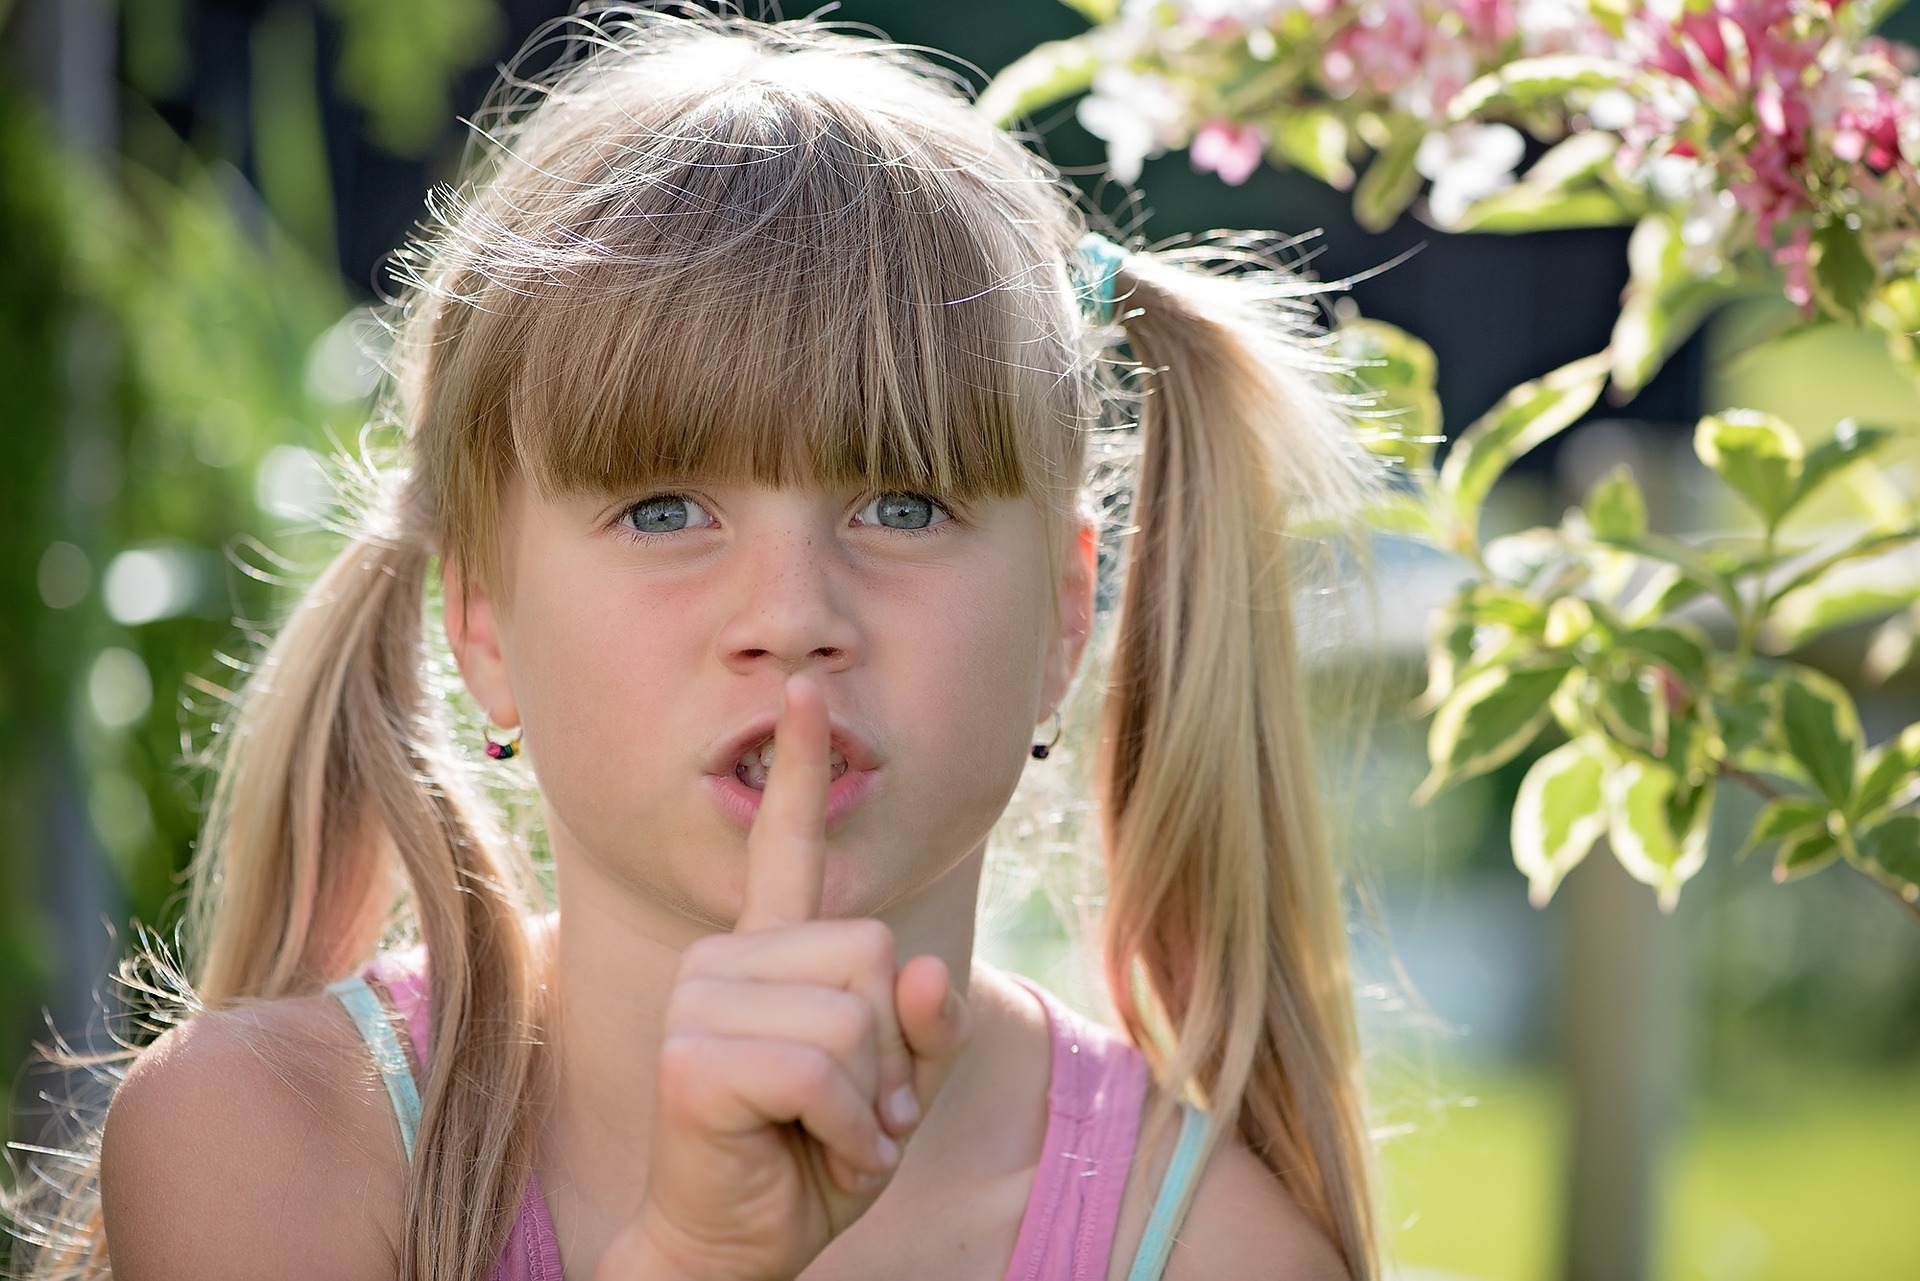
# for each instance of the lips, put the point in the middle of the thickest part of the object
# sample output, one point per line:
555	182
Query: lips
851	748
848	788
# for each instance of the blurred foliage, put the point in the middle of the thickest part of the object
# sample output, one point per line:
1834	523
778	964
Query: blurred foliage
177	352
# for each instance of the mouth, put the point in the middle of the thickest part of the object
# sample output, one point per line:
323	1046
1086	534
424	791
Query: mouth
757	762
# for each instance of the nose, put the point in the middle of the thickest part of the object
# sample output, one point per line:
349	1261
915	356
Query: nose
788	611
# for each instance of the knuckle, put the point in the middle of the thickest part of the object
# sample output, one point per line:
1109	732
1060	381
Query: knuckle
701	956
689	1001
873	942
686	1067
815	1073
851	1022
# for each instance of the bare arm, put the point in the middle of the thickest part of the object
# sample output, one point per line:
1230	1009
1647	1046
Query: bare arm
251	1143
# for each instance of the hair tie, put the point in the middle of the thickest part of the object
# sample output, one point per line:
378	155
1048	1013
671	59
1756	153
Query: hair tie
1099	261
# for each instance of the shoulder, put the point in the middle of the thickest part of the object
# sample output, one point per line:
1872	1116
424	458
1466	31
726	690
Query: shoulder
1243	1223
255	1133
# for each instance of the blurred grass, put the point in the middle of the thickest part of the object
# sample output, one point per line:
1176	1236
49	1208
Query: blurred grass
1813	1182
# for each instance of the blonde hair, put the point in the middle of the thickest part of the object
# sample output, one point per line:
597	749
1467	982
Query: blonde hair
707	246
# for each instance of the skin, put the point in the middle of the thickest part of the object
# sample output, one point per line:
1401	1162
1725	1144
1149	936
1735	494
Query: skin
889	628
739	1009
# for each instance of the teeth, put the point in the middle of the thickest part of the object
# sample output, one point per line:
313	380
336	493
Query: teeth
756	762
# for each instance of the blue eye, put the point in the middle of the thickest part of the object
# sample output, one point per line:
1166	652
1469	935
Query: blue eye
904	511
665	514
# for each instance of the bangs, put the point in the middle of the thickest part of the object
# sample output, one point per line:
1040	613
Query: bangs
775	294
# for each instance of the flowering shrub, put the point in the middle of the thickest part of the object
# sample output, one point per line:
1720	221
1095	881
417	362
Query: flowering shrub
1661	661
1754	144
1746	138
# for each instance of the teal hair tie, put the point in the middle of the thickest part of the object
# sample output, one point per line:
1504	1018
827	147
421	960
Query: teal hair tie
1100	261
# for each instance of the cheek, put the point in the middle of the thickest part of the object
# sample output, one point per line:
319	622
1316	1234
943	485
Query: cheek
594	676
981	674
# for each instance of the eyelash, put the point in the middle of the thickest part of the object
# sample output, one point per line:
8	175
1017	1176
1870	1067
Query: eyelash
627	531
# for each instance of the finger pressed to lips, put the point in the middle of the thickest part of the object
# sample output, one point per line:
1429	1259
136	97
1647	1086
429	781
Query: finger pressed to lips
787	846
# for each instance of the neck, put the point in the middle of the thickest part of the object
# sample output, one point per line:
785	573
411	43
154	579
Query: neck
611	974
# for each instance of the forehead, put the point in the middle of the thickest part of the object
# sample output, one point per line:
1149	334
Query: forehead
780	289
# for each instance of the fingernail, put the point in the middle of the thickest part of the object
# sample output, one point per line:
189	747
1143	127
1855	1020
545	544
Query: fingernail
867	1184
888	1151
903	1107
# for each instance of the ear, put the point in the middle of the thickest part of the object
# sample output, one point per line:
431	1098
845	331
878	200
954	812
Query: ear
473	633
1077	577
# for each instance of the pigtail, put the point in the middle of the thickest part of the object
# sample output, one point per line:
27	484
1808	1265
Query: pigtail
1224	947
337	784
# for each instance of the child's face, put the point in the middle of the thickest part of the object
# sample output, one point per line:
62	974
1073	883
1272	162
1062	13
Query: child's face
648	638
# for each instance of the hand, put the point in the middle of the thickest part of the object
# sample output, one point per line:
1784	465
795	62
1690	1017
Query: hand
796	1056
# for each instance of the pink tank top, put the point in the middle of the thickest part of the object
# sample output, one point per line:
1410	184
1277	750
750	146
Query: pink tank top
1094	1100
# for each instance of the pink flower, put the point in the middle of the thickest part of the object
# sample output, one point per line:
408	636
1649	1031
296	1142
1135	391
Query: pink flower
1868	128
1231	150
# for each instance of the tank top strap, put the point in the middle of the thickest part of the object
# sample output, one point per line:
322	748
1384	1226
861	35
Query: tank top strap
383	1047
1175	1195
532	1250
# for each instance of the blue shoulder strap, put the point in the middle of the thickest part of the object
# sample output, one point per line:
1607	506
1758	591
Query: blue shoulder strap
376	1029
1176	1190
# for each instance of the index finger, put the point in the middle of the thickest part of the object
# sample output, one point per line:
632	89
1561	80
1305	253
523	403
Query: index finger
787	846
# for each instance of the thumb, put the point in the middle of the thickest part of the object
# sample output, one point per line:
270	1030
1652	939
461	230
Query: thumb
935	1021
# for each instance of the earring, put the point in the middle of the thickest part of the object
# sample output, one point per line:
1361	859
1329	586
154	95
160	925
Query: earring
501	749
1042	750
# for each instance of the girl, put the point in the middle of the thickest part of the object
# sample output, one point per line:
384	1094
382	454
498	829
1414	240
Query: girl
748	389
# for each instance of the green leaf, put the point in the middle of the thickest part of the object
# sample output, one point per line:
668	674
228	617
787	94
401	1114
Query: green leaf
1390	182
1891	649
1748	721
1529	414
1486	721
1681	646
1634	711
1822	731
1569	621
1558	191
1664	302
1803	854
1405	514
1450	633
1042	76
1314	142
1531	80
1844	273
1559	813
1886	772
1524	208
1615	507
1894	848
1821	607
1782	817
1665	590
1755	453
1871	544
1642	831
1400	372
1095	11
1686	561
1849	444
